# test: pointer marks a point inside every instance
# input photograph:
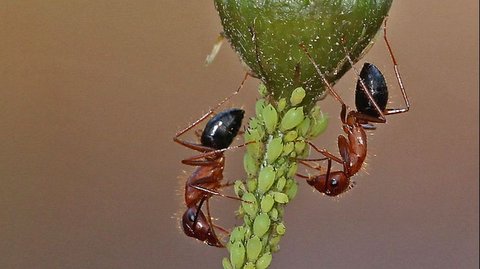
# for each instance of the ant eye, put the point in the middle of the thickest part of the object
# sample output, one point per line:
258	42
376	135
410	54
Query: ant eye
191	216
333	182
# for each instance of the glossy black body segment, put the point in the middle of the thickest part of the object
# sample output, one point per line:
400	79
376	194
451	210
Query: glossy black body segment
220	130
376	85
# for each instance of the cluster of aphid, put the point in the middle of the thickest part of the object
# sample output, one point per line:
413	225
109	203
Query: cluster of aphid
277	140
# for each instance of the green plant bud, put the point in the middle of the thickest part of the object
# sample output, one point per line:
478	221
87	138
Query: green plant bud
259	106
297	96
226	263
254	247
264	261
292	190
251	185
318	126
266	177
287	148
280	198
274	149
282	103
274	214
262	90
304	127
270	118
280	228
250	165
267	203
292	118
249	265
292	170
261	224
237	235
299	146
290	136
239	188
249	204
281	183
237	254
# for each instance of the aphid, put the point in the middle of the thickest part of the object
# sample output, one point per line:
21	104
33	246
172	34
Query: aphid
206	179
371	99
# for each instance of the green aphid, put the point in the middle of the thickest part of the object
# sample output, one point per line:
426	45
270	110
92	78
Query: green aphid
281	168
297	96
304	127
280	198
251	185
292	118
237	254
282	103
247	220
264	261
250	164
237	235
255	149
274	214
319	125
262	90
249	204
288	148
290	136
281	183
274	149
261	224
266	177
270	118
299	146
267	203
275	242
239	188
292	170
249	265
292	189
254	247
280	228
226	263
259	105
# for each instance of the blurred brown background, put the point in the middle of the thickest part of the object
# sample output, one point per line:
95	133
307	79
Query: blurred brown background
91	93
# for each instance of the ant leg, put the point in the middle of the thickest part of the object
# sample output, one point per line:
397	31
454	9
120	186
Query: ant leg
216	48
202	118
194	161
223	230
326	153
397	74
211	223
207	190
199	207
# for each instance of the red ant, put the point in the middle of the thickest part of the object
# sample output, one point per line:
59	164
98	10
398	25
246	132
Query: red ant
205	181
371	97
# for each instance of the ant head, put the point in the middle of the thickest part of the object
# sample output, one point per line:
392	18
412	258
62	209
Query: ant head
373	82
222	129
337	184
196	225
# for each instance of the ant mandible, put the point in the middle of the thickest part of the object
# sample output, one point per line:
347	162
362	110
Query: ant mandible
205	180
371	97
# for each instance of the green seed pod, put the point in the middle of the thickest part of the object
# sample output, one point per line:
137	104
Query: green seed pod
267	203
292	170
280	228
262	90
297	96
274	214
304	127
239	188
280	198
281	183
266	177
254	247
251	185
292	190
226	263
237	254
282	103
259	105
288	148
270	118
261	224
237	235
249	204
299	146
264	261
274	149
249	265
250	165
292	118
290	136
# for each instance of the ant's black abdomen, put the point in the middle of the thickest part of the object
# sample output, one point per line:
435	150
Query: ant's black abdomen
222	129
375	82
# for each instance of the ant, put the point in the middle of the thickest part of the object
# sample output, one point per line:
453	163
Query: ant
205	180
371	97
